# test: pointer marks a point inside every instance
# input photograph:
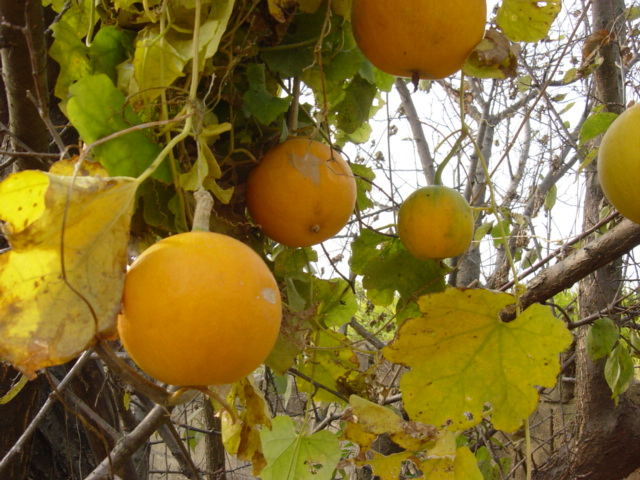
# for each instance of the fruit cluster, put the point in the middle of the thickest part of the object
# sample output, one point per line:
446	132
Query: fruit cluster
202	308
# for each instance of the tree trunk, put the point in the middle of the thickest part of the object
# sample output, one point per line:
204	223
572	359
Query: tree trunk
14	418
606	445
22	24
24	60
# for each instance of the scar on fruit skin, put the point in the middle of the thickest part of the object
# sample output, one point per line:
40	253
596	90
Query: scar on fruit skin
308	165
269	294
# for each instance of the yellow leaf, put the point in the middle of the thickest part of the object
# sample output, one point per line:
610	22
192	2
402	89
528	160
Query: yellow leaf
68	166
457	464
47	320
342	8
242	438
465	466
309	6
387	467
463	356
356	433
527	20
376	419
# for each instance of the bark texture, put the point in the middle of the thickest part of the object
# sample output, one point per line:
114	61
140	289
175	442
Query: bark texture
24	61
606	443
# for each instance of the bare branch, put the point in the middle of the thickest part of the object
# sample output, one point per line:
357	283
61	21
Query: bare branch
130	443
30	430
416	129
610	246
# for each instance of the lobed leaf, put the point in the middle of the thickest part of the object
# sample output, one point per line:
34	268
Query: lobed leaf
295	456
463	357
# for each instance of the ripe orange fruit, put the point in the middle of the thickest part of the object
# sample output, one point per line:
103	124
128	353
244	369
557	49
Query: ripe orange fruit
435	222
199	309
418	38
301	193
619	163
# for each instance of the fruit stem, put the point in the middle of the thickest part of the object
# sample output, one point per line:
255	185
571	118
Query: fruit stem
202	214
213	395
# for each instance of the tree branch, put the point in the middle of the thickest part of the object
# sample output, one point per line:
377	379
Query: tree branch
610	246
130	443
416	129
24	70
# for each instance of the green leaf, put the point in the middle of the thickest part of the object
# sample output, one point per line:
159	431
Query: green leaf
110	47
157	64
527	20
550	198
595	125
570	75
496	232
381	298
211	30
587	160
619	371
364	178
333	364
97	109
482	230
162	55
462	357
293	456
72	55
634	343
601	338
14	390
394	268
354	109
336	301
530	258
632	13
259	101
295	51
294	262
364	249
345	64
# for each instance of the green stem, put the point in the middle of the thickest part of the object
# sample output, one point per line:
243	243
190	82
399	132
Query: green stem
437	179
190	106
464	132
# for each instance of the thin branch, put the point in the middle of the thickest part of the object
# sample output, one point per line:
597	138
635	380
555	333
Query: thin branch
30	430
130	443
558	251
298	373
416	129
366	334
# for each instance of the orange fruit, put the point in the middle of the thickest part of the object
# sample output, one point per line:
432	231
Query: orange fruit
435	222
199	309
301	193
619	163
418	38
